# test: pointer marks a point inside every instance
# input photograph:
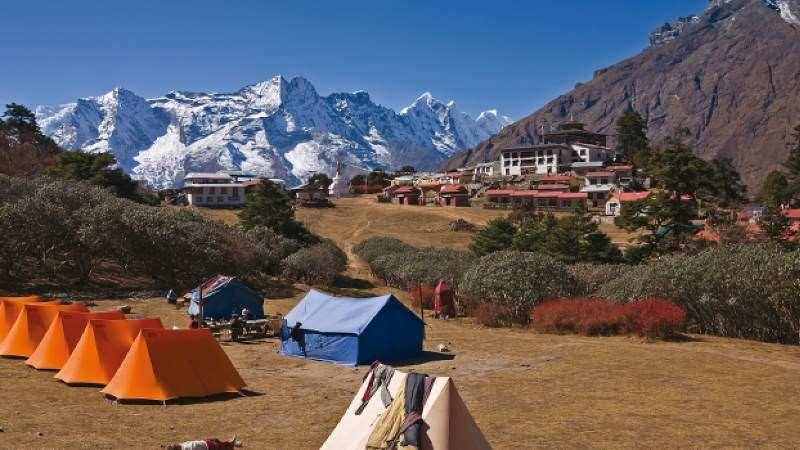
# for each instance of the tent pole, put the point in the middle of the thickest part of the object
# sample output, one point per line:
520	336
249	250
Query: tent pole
200	307
421	304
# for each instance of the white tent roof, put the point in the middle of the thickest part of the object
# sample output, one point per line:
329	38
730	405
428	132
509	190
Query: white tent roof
449	425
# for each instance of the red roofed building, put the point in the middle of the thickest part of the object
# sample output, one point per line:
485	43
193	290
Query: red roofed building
538	199
553	187
453	195
405	195
555	179
615	204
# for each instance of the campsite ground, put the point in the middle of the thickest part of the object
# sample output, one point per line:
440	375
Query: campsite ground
525	390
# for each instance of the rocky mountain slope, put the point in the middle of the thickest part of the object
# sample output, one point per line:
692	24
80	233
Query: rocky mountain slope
277	128
731	75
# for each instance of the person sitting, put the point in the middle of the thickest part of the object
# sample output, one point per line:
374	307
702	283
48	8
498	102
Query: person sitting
245	314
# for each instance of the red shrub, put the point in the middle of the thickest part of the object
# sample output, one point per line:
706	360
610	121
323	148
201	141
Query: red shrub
655	317
422	294
492	315
594	316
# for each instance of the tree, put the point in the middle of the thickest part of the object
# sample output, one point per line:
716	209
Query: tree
774	224
24	150
268	205
498	235
632	143
727	183
775	190
358	180
19	120
99	169
792	163
378	177
319	181
676	169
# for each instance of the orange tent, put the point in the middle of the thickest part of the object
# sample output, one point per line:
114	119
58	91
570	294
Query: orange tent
168	364
101	349
9	310
62	336
31	326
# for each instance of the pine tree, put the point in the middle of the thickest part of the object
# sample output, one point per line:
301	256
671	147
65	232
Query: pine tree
632	143
498	235
268	205
727	183
775	191
773	223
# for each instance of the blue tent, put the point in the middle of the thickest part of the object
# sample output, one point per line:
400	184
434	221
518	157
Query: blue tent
223	296
351	331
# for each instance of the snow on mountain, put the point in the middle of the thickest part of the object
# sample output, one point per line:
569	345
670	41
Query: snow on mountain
276	128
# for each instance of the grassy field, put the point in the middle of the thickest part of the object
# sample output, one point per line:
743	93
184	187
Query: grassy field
525	390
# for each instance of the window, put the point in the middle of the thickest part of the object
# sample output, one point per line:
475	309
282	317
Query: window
235	193
220	199
516	163
223	190
198	200
212	190
508	171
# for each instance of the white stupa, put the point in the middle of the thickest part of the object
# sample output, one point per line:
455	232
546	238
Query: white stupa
340	187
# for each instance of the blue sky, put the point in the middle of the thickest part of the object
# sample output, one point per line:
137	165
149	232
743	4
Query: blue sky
510	55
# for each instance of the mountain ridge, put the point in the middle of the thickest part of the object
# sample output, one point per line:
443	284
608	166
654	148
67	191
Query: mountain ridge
276	128
731	76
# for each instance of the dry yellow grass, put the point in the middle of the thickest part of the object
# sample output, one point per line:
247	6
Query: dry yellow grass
525	390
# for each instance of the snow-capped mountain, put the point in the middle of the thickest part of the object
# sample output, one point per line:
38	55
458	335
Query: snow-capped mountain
277	128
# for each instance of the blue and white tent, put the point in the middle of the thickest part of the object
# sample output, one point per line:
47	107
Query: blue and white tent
351	331
223	296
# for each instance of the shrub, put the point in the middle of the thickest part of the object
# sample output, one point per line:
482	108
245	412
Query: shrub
492	315
372	248
317	265
515	280
270	249
592	277
656	317
594	316
69	233
587	316
745	291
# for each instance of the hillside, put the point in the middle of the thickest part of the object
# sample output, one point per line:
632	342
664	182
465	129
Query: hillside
731	75
277	128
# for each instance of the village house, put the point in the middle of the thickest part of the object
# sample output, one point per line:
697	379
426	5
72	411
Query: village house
213	189
555	152
617	201
486	170
598	186
550	200
405	195
453	195
623	174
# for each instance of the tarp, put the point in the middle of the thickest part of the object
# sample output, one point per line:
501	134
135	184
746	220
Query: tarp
10	308
352	331
443	301
62	337
101	349
31	326
223	296
448	423
168	364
